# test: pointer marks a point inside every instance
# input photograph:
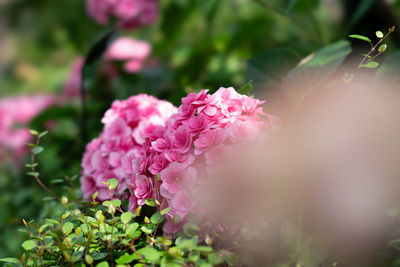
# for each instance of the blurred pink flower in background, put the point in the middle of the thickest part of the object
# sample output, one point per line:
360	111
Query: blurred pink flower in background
15	114
71	88
133	52
130	14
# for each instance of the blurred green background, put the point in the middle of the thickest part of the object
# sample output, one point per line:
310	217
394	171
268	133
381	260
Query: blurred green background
196	44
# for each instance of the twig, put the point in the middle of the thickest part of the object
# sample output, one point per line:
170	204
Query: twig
373	49
34	174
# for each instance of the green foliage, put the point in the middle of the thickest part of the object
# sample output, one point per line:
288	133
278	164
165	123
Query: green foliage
87	233
318	67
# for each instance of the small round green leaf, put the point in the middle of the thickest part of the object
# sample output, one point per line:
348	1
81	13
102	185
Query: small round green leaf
126	217
37	150
67	228
382	48
112	183
28	244
379	34
103	264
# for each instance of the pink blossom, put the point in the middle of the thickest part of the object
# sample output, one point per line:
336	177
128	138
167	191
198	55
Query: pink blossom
131	14
182	203
181	140
72	87
20	111
209	139
198	124
200	136
175	177
133	52
143	189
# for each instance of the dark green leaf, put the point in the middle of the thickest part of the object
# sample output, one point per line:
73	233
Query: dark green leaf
246	88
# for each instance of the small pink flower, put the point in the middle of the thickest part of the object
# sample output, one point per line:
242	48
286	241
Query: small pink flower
175	177
198	124
181	140
182	203
245	129
209	139
144	189
162	144
215	155
131	14
158	164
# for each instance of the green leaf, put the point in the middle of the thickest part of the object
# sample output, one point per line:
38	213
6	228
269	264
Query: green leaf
126	217
116	202
32	173
107	203
146	230
360	37
67	228
37	150
382	48
150	202
318	67
155	218
246	88
165	211
28	244
99	255
370	65
103	264
112	183
131	228
42	134
126	258
150	254
379	34
10	260
34	132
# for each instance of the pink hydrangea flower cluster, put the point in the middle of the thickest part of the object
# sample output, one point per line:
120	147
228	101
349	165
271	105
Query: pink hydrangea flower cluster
191	146
15	114
130	14
126	125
